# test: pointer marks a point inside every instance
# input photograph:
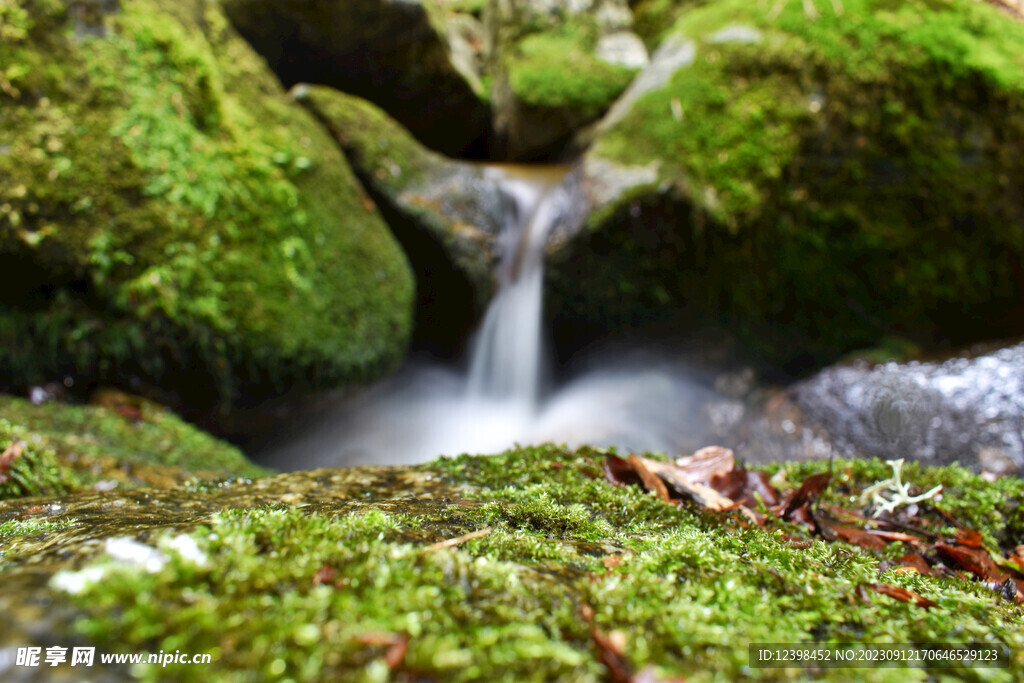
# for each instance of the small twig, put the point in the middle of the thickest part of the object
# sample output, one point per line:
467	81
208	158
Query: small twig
452	542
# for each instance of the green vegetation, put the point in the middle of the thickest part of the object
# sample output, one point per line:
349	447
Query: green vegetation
324	592
65	448
837	162
29	469
168	215
559	70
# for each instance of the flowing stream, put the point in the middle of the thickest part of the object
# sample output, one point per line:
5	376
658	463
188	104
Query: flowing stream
627	398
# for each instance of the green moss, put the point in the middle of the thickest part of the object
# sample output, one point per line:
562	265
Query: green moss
315	594
854	167
158	180
30	469
559	70
86	444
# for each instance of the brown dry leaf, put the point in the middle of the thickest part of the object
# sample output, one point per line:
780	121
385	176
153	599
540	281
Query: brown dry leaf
975	560
378	638
856	536
10	454
396	653
809	491
611	561
741	485
915	561
902	594
707	463
895	536
620	472
968	537
325	574
705	496
652	482
610	652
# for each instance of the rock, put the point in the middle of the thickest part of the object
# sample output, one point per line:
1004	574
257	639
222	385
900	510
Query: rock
472	564
170	223
403	56
447	214
968	410
792	181
556	67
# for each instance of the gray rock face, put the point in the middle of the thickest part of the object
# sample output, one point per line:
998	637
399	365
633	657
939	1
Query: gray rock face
969	410
398	55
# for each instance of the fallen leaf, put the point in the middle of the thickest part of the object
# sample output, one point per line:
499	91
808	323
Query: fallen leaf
324	574
915	561
968	537
611	561
10	454
707	463
620	472
705	496
652	482
809	491
902	594
396	653
609	651
975	560
856	536
741	485
895	536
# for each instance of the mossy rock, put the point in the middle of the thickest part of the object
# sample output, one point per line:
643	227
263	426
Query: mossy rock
168	219
125	443
400	55
548	78
445	213
335	575
815	183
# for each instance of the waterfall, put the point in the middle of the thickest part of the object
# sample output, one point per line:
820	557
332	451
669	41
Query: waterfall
628	396
507	360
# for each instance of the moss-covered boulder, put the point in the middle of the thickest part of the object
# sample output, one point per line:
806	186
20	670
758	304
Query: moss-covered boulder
169	221
527	566
123	442
403	56
555	67
814	176
445	213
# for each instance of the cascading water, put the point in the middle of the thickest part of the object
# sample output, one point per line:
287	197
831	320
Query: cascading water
507	361
630	400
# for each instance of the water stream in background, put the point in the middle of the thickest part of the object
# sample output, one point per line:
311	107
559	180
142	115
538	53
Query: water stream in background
629	398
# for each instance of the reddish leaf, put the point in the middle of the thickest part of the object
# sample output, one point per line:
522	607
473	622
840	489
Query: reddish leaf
324	574
968	537
975	560
620	472
378	638
705	496
396	653
902	594
611	561
895	536
915	561
10	454
608	651
741	484
707	463
856	536
808	493
652	482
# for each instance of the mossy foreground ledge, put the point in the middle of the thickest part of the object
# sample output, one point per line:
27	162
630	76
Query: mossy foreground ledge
334	574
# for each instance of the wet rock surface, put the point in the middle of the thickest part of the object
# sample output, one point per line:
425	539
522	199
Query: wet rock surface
968	410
